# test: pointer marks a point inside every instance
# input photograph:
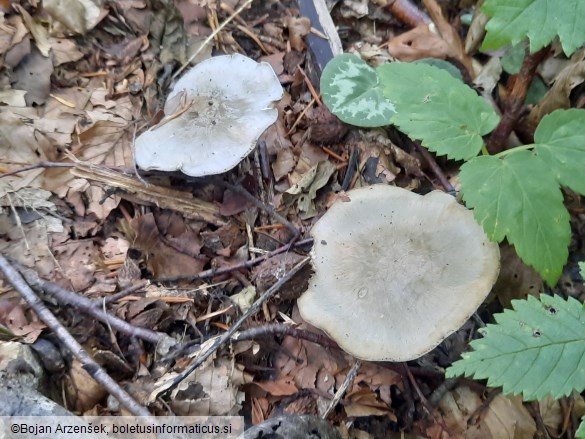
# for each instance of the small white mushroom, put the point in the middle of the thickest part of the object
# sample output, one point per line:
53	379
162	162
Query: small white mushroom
397	272
226	104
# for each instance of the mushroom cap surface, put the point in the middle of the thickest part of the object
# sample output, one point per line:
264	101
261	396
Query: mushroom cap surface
230	104
395	272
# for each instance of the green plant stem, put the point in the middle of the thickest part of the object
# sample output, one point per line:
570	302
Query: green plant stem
515	101
513	150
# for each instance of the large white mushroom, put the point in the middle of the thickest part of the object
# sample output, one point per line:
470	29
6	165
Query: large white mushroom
213	117
396	272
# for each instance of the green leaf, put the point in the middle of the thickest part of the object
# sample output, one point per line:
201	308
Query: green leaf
517	197
441	64
539	20
560	142
513	58
433	106
538	348
580	433
351	90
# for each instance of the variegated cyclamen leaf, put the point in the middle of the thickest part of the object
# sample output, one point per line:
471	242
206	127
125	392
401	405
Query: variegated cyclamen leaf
351	90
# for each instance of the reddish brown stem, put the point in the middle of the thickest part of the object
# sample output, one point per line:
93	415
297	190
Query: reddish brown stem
407	12
515	101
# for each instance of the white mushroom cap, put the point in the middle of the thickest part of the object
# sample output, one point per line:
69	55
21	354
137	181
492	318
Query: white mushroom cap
397	272
231	104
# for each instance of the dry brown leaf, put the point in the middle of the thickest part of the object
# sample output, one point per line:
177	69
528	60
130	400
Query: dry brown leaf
20	145
260	410
448	33
13	33
456	407
161	259
552	415
82	391
507	418
282	386
364	402
64	51
27	244
298	27
418	43
209	391
77	15
559	94
38	31
78	263
284	163
14	317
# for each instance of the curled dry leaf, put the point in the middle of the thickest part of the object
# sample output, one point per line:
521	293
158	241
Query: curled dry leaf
420	42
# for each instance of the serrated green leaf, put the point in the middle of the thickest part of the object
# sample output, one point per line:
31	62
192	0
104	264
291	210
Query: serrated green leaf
433	106
539	20
517	197
538	348
351	90
560	141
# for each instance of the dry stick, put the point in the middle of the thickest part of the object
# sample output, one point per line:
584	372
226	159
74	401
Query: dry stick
343	388
447	385
90	366
264	206
259	332
435	168
422	398
125	292
407	12
256	306
515	101
241	266
273	329
42	164
211	37
90	307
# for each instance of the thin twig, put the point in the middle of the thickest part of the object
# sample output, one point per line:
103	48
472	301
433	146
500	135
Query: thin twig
343	388
90	307
261	205
211	37
259	332
88	363
125	292
436	169
241	266
41	164
423	399
447	385
219	341
280	329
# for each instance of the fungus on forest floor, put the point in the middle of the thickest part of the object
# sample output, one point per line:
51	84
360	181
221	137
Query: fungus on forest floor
397	272
213	117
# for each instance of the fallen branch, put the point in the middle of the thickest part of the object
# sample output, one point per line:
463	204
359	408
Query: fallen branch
241	266
219	341
88	363
90	307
